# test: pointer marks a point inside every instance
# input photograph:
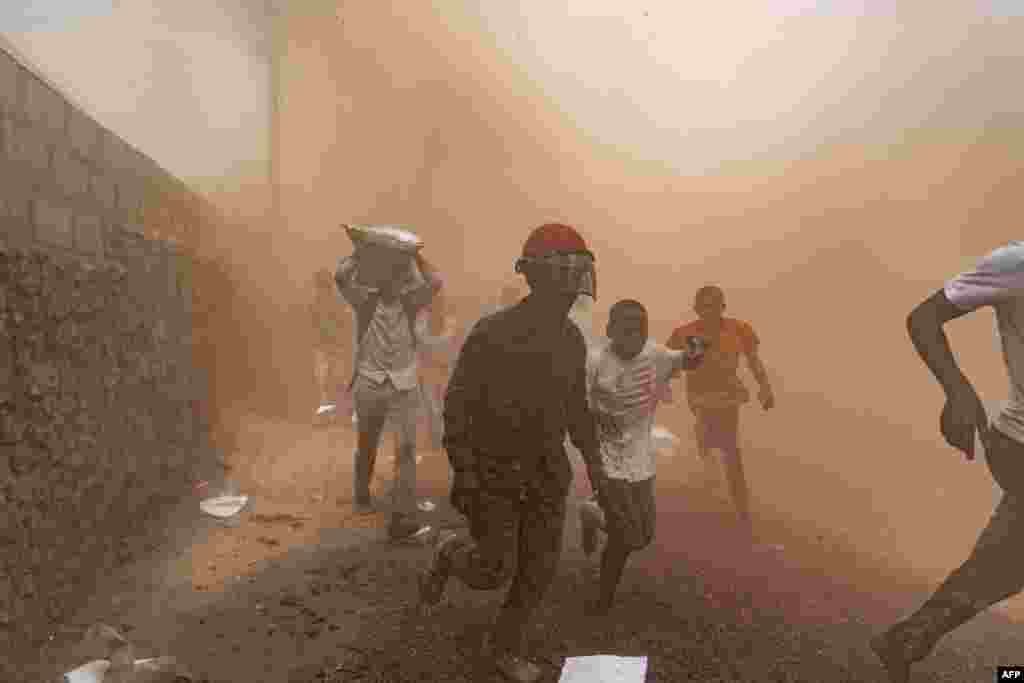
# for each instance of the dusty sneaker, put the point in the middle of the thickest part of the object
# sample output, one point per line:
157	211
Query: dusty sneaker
403	529
434	580
518	669
893	657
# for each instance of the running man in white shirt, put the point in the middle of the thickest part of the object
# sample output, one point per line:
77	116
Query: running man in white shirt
626	378
993	572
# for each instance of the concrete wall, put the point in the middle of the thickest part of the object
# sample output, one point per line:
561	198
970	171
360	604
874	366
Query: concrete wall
98	385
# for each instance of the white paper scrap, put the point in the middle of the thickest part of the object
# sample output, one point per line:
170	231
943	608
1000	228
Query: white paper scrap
92	672
223	506
604	669
96	671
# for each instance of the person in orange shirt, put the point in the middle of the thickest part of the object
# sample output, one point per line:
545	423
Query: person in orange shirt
715	392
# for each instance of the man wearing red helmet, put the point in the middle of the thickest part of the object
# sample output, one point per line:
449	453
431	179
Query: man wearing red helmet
518	386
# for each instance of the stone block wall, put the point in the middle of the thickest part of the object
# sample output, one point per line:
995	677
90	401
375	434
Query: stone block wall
98	385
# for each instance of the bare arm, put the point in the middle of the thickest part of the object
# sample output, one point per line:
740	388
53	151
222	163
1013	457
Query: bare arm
430	283
345	278
925	325
684	360
429	340
964	414
757	369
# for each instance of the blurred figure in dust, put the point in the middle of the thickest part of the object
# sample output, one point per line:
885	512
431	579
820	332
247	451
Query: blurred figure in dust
388	287
993	571
519	384
435	359
715	392
332	344
510	296
624	379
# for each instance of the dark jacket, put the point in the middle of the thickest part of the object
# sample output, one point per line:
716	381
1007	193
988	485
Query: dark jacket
513	395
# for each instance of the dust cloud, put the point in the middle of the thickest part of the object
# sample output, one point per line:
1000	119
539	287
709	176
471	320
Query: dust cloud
824	239
421	119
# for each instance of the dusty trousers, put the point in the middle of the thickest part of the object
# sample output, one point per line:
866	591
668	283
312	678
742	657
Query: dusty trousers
993	572
515	538
374	403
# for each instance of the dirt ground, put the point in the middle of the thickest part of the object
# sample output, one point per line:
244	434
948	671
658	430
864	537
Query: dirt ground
301	590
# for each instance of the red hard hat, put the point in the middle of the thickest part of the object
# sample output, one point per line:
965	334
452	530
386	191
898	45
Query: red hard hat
563	253
553	237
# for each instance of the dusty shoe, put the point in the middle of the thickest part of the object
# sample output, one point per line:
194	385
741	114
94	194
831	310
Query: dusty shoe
590	523
402	529
434	580
896	655
518	669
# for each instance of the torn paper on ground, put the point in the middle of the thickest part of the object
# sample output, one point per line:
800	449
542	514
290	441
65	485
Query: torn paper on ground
604	669
146	670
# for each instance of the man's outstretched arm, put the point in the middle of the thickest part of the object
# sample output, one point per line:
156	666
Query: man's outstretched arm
685	360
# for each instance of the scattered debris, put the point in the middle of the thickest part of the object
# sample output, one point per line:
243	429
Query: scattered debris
120	663
224	507
426	535
279	517
604	669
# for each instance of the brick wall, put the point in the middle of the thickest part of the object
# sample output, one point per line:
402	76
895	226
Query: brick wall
98	247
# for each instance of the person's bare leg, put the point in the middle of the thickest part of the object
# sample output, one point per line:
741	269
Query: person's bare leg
613	563
738	489
372	415
709	472
991	574
592	521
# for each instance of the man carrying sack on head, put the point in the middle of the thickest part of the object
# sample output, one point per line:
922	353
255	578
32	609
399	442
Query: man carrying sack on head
387	282
519	384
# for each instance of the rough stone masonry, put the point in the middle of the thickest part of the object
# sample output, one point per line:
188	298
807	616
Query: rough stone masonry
98	384
95	421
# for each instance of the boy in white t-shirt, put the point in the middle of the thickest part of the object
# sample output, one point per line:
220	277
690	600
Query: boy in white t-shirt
993	571
625	380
